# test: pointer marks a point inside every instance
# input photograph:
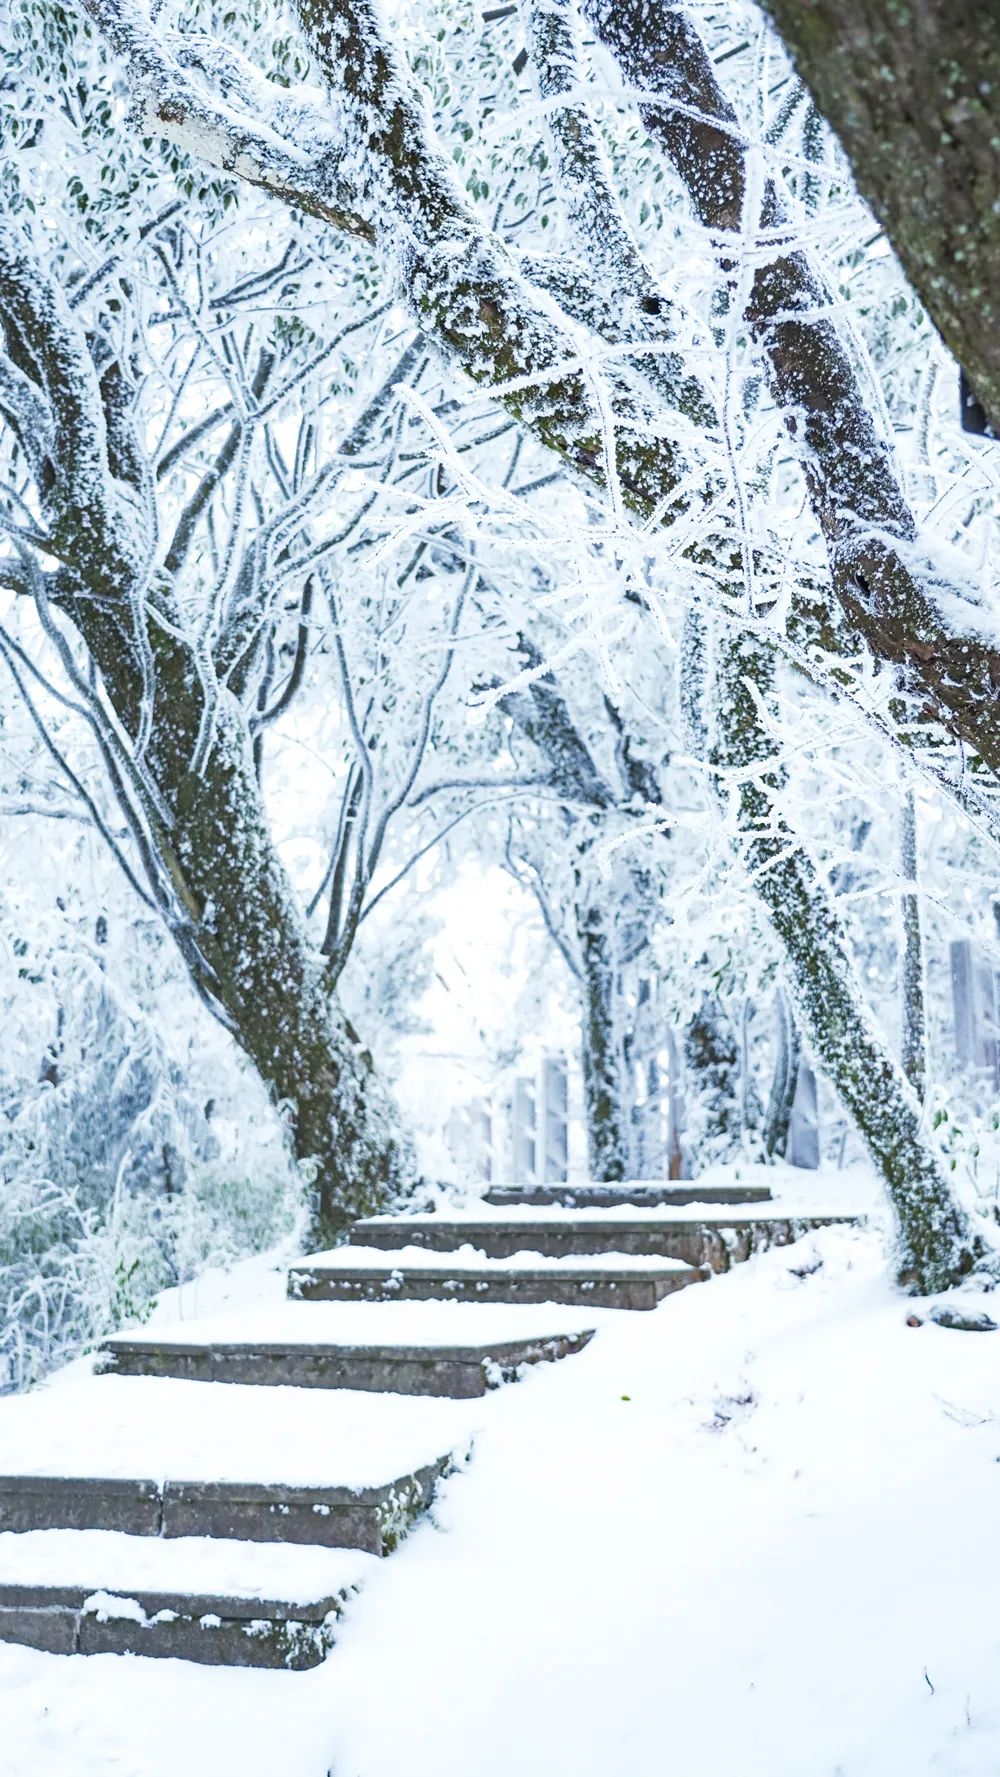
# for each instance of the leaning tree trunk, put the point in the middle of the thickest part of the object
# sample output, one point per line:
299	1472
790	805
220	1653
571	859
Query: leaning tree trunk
178	754
272	985
886	587
241	932
936	1244
913	92
606	1102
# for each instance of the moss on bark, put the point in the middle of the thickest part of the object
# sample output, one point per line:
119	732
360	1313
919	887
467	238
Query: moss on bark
912	89
936	1243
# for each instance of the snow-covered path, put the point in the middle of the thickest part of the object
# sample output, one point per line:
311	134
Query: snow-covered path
751	1532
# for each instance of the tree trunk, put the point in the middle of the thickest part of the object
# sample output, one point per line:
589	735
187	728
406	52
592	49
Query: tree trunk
936	1245
913	1032
239	928
913	92
605	1099
677	1160
778	1120
712	1064
543	716
273	989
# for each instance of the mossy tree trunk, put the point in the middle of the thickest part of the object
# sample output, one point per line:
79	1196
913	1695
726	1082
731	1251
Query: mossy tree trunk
241	931
607	1103
936	1245
913	1021
912	89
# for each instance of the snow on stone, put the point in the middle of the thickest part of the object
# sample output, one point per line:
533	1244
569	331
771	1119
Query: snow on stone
150	1428
851	1192
437	1324
470	1258
114	1562
107	1608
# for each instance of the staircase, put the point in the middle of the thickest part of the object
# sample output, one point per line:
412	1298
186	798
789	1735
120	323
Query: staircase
582	1251
149	1514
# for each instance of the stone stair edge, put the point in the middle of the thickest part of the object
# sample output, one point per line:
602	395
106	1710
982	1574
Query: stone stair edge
603	1221
577	1268
473	1350
23	1595
146	1488
117	1625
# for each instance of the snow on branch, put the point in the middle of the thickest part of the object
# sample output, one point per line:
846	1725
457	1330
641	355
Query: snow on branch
259	144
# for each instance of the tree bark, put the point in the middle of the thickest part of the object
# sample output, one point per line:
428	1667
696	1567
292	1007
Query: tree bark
913	92
913	1033
256	964
713	1070
607	1105
936	1244
777	1121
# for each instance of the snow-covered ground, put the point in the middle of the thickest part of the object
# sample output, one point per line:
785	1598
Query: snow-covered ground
752	1532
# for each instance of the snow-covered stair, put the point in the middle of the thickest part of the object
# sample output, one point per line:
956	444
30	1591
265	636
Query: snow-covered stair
150	1511
437	1348
195	1598
597	1257
714	1239
145	1512
638	1195
467	1274
224	1525
168	1458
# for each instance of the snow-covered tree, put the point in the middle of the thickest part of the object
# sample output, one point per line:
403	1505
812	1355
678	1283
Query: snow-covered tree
471	336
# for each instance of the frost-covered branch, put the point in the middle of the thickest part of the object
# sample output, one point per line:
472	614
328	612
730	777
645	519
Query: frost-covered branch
469	295
912	614
258	140
607	285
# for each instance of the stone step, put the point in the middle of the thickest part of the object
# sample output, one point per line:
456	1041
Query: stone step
374	1519
96	1592
634	1196
716	1241
210	1631
400	1348
341	1276
167	1458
